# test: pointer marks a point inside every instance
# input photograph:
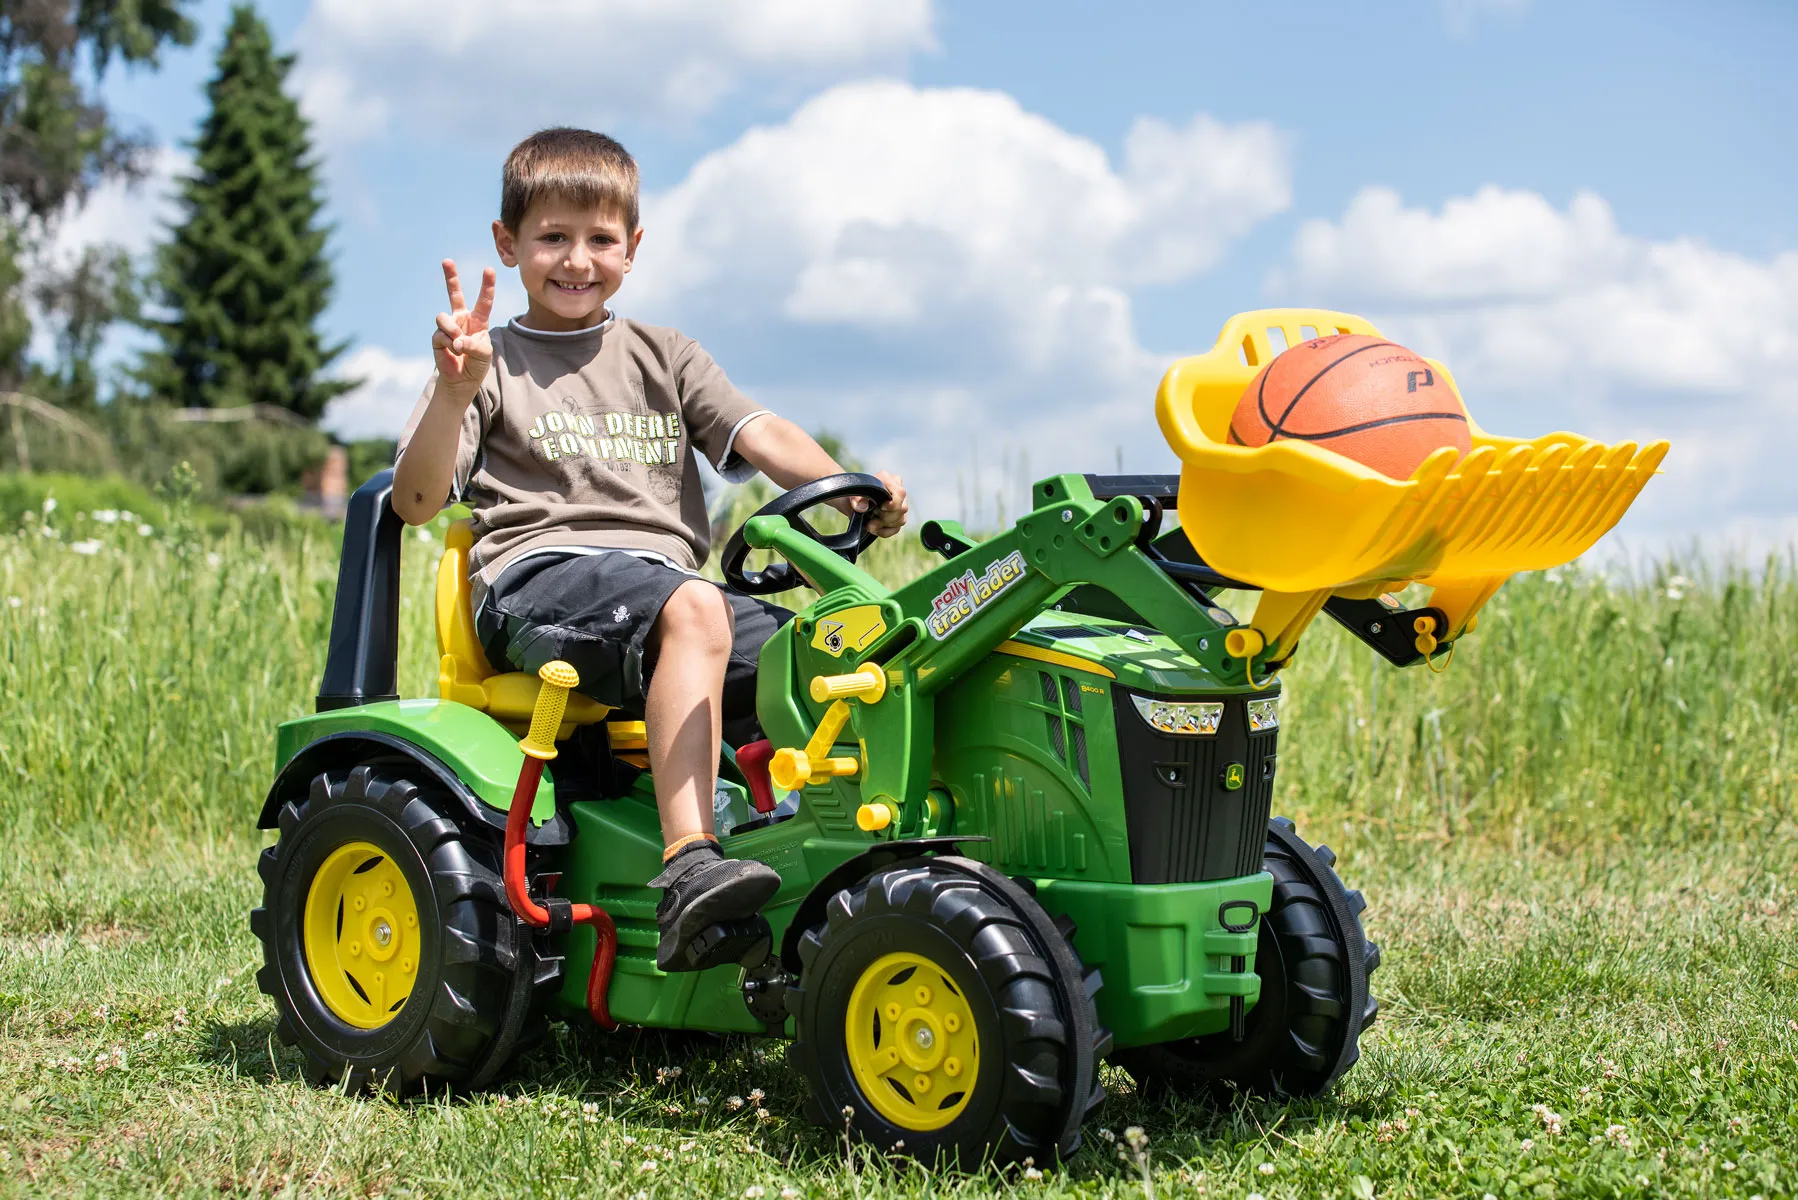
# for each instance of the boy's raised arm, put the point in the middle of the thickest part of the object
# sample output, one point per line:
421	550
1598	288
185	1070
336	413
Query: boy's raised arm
463	350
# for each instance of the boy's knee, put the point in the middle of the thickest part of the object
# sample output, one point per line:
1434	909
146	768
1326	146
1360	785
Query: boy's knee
699	616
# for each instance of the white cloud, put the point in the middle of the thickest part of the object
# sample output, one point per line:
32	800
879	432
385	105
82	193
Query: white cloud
468	64
1552	318
976	255
131	215
391	385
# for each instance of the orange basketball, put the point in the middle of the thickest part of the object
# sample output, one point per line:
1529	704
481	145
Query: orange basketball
1363	397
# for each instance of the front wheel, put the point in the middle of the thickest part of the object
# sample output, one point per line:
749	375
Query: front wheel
943	1015
1314	961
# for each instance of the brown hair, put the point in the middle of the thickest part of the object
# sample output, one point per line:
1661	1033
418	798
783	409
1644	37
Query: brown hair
576	165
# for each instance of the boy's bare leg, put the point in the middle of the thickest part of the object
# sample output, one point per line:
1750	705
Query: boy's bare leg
684	709
691	642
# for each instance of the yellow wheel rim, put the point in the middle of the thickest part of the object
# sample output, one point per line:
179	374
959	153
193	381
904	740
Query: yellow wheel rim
911	1042
361	935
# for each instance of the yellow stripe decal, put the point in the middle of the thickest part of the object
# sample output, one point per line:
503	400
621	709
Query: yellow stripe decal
1057	658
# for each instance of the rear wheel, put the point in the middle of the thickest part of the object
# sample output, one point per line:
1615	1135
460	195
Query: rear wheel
389	949
943	1015
1314	961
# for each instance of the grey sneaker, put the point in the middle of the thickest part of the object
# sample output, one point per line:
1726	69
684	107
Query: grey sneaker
701	889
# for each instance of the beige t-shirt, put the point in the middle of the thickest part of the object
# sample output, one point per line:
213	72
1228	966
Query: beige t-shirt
587	439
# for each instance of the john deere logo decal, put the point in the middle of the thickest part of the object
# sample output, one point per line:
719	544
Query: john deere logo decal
1233	777
966	595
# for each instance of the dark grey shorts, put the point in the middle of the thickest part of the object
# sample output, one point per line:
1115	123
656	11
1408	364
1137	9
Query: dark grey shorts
595	612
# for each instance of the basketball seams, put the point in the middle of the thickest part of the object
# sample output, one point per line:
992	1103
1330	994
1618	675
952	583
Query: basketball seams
1277	428
1401	419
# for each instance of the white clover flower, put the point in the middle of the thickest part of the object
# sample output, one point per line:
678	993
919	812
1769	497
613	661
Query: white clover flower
90	547
754	1191
1032	1174
1728	1166
733	1102
589	1107
757	1095
1527	1144
144	531
49	505
1266	1168
702	1102
647	1167
1136	1137
106	516
212	558
1617	1134
789	1193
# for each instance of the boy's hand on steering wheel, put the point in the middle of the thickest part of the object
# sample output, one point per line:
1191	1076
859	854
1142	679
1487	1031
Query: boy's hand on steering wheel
890	519
461	344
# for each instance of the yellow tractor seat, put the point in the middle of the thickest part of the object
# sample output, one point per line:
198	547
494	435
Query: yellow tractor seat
463	673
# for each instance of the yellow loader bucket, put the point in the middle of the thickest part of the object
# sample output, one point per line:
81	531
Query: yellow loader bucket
1304	523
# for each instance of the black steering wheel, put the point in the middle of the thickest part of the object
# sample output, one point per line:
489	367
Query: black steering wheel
783	576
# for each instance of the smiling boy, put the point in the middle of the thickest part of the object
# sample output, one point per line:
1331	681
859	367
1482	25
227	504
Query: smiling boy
575	436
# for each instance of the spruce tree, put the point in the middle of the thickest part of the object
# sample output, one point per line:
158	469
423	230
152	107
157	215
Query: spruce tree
245	277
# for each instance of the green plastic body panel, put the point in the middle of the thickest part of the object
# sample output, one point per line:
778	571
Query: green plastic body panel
961	744
483	753
1163	952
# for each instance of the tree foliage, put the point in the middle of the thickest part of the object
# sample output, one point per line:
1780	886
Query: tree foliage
246	277
57	142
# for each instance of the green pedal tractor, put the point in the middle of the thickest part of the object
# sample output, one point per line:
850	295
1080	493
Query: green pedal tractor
1026	821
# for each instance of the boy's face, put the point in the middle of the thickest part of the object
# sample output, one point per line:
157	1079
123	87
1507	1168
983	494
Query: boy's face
571	260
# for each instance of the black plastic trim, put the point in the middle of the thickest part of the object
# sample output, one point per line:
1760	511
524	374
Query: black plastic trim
1156	487
1184	825
361	663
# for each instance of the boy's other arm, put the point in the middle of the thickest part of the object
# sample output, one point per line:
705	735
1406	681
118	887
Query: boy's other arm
789	456
463	350
426	470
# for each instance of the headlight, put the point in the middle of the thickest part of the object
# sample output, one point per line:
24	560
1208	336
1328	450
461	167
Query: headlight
1200	717
1264	714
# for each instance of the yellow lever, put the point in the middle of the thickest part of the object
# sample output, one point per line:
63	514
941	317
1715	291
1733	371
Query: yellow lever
867	683
792	768
546	715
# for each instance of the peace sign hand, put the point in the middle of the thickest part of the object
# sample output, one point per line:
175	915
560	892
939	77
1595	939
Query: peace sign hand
461	344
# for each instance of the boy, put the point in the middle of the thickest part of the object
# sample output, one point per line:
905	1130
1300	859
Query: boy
574	434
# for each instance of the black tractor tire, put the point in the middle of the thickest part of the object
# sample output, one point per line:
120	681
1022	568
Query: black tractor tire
482	976
1314	961
1030	998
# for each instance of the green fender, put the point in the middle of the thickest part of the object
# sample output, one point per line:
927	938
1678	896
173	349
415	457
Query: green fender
466	752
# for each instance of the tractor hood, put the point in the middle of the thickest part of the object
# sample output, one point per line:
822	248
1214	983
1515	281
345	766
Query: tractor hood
1137	656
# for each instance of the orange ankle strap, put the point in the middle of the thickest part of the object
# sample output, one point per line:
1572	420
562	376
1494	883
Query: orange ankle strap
683	843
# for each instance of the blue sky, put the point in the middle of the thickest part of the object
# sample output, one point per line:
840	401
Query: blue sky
972	235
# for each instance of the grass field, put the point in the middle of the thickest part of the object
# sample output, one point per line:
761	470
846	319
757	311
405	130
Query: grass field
1577	844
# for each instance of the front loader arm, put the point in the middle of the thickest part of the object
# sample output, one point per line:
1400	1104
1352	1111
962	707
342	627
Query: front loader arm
954	616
